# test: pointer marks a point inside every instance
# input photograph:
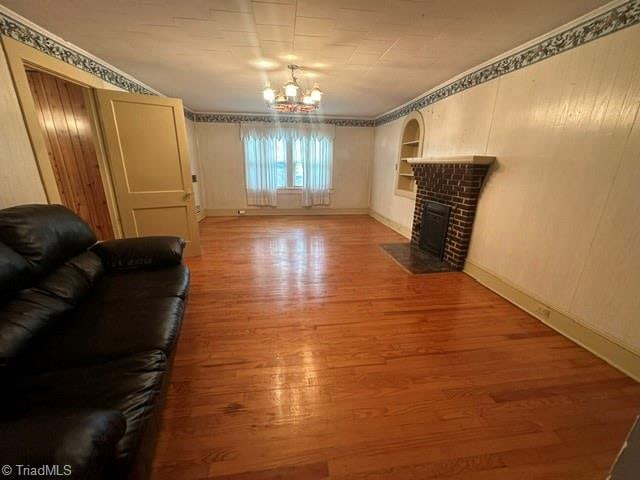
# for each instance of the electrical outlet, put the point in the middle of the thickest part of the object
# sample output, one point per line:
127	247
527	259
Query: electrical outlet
242	212
543	311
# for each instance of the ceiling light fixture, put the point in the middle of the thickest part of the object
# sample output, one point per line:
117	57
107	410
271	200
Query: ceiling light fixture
292	98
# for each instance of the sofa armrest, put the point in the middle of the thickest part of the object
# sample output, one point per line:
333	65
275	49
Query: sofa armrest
77	444
138	253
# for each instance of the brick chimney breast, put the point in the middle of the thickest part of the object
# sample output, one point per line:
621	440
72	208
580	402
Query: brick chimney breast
455	182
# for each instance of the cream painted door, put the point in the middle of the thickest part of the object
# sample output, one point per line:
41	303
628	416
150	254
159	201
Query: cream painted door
146	143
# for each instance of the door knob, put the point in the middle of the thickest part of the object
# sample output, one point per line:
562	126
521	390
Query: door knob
187	196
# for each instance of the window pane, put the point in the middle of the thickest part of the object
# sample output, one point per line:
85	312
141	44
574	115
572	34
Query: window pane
281	163
298	166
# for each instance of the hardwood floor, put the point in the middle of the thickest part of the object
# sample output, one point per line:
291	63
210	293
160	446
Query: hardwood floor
308	353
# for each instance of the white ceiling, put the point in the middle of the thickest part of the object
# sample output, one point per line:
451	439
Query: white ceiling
369	56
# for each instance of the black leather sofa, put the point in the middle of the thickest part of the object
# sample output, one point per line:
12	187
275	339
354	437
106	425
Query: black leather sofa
87	336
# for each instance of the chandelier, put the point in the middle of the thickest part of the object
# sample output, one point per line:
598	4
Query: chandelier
291	98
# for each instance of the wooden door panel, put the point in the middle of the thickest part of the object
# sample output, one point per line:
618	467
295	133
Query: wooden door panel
153	143
162	221
146	143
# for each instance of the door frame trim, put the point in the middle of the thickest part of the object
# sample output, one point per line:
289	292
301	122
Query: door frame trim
19	58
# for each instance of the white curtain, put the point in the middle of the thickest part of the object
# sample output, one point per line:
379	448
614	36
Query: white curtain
312	143
261	171
317	160
286	131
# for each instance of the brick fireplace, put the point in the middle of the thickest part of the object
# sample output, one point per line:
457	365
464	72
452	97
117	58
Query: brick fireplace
454	182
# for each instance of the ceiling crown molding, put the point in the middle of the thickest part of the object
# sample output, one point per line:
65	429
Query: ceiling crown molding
594	25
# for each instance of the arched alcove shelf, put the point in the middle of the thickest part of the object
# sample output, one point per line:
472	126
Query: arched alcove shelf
410	147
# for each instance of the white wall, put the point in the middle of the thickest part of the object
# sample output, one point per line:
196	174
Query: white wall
194	160
384	202
222	161
559	216
19	177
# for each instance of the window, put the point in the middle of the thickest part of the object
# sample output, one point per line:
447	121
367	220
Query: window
290	163
288	157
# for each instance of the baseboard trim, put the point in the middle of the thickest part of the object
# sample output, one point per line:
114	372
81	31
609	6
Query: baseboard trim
614	354
401	229
285	211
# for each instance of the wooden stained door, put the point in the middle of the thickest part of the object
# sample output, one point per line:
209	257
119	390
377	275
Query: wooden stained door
67	127
146	143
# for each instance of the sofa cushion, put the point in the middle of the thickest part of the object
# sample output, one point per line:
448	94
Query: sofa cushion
80	440
32	313
130	385
14	272
45	235
139	284
98	332
25	318
88	264
72	281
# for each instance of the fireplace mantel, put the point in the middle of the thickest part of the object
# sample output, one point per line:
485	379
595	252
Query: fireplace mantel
453	159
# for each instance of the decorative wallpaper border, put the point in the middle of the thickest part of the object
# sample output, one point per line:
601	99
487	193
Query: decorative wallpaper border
189	115
617	18
249	117
17	30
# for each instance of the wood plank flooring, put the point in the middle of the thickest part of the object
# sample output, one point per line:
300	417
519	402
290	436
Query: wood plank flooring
308	353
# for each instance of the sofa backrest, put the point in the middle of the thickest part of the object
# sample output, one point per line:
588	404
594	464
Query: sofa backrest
45	271
45	235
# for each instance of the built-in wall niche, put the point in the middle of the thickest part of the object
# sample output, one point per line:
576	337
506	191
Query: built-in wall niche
410	147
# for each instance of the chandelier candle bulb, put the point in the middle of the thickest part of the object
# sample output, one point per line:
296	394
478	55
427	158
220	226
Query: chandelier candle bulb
316	93
291	90
268	93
